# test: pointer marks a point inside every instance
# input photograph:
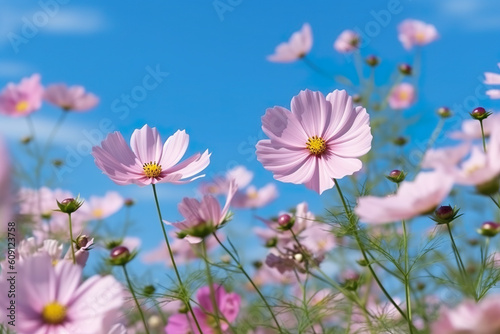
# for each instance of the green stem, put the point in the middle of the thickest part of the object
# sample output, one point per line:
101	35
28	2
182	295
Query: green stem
407	277
211	285
365	257
431	141
482	135
460	263
52	134
251	281
135	298
483	267
494	201
171	254
71	239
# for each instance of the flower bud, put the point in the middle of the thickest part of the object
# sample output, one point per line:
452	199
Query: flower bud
405	69
26	140
285	222
57	162
81	241
489	229
257	264
120	256
400	141
129	202
445	214
480	113
362	262
420	286
489	188
372	60
148	290
356	98
444	112
270	243
69	205
396	176
473	242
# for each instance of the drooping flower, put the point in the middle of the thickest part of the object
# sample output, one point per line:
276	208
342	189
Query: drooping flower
203	218
297	47
320	139
402	96
412	199
253	198
147	162
414	32
469	317
73	98
348	41
52	299
22	99
228	305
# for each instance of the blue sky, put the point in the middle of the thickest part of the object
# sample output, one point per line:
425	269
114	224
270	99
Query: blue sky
219	83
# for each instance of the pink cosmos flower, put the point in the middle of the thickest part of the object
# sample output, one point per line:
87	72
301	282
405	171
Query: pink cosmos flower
480	168
254	198
320	139
227	303
469	317
203	218
147	162
445	158
6	198
298	46
402	96
412	199
103	207
53	300
415	32
22	99
220	184
347	41
471	129
72	98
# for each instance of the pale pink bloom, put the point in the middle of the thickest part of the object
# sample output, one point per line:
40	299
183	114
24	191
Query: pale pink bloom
445	158
148	162
81	252
203	217
41	202
414	32
298	46
320	139
70	98
412	199
480	168
183	250
228	305
267	275
347	41
52	299
118	329
219	185
253	198
471	129
470	318
131	243
29	247
402	96
22	99
102	207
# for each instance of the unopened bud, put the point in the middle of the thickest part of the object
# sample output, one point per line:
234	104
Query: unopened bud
69	205
480	113
372	60
400	141
396	176
405	69
444	112
129	202
489	229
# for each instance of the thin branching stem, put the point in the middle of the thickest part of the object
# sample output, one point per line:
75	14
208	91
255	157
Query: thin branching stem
71	239
135	298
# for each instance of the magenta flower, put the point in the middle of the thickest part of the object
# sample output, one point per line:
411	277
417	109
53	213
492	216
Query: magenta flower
402	96
415	32
70	98
469	317
412	199
348	41
203	218
320	139
52	300
253	198
297	47
147	162
22	99
228	305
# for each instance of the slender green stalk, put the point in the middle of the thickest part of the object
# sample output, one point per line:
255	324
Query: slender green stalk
482	135
251	281
188	304
494	201
432	140
365	257
211	285
71	239
407	277
483	267
52	133
135	298
358	65
460	263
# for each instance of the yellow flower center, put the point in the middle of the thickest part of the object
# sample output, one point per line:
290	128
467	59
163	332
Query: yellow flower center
316	145
54	313
152	169
403	95
98	212
420	37
253	194
22	106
